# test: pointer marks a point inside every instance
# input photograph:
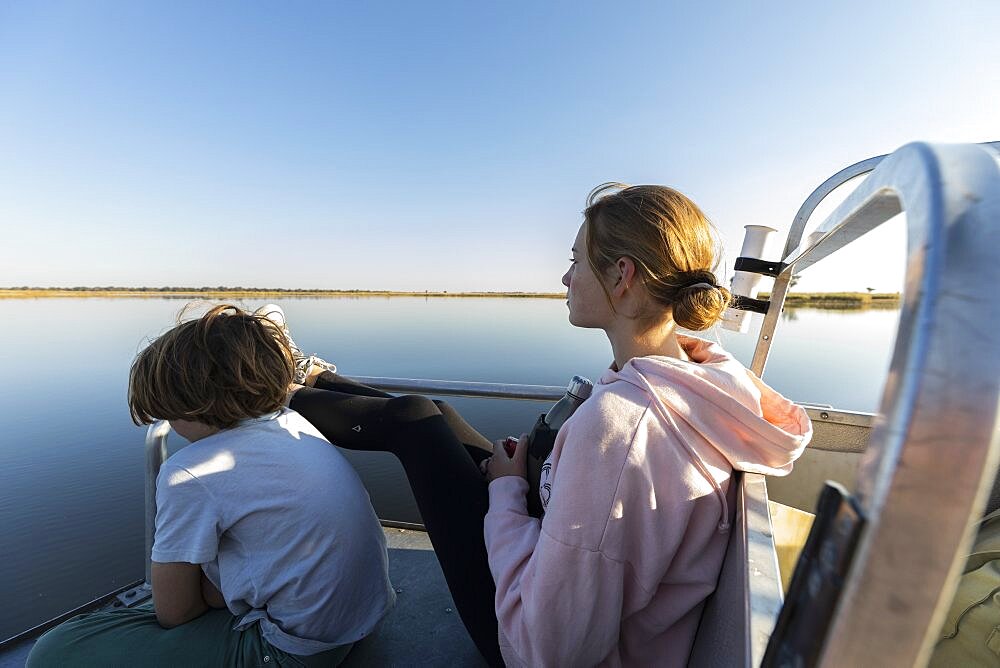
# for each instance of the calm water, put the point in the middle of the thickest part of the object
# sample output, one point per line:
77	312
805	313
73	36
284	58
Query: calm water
71	461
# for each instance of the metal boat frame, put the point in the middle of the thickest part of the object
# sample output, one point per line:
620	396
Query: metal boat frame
938	419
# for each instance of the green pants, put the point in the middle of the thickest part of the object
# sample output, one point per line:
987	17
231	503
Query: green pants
132	637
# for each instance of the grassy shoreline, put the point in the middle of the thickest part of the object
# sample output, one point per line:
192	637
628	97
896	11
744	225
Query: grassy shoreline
840	300
826	300
248	293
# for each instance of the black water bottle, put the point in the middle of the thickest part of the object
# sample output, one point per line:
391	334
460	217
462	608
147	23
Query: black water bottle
543	436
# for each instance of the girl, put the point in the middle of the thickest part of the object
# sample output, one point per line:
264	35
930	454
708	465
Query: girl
637	522
636	525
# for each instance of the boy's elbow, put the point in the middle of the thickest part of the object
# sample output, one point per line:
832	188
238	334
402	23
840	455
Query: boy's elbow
169	619
177	594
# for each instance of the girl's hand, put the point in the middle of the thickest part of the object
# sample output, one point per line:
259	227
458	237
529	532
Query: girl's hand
500	464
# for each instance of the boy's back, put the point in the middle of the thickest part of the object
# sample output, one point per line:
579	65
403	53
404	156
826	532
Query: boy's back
285	530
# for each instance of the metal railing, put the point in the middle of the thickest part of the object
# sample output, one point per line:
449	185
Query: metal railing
454	388
156	435
156	454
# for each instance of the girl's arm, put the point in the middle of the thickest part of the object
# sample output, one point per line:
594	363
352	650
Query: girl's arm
559	598
177	593
556	604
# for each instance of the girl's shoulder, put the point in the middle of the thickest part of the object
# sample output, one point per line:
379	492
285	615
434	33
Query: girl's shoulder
617	388
613	406
588	463
601	431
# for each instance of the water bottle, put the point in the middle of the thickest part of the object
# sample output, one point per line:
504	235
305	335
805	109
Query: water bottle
543	436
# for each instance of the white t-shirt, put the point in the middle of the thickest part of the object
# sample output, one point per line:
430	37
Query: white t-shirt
282	525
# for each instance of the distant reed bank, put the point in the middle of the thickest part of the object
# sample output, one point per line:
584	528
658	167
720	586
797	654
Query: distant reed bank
248	293
825	300
840	300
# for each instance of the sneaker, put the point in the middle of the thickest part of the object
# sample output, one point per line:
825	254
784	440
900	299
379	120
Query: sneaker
304	364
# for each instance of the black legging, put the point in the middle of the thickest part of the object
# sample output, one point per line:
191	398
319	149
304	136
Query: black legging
440	453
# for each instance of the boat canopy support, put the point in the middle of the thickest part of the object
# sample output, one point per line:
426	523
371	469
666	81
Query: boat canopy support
933	452
797	256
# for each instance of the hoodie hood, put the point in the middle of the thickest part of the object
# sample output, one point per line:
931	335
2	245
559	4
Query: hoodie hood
714	399
754	427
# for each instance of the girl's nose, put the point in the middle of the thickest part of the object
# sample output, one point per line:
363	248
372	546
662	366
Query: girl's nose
565	279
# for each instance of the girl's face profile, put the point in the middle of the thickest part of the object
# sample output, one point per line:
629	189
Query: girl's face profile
588	305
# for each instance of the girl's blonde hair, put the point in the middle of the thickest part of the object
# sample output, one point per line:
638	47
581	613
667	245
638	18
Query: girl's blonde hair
672	243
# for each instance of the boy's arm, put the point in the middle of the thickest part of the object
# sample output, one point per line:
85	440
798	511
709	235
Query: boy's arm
177	593
187	534
213	597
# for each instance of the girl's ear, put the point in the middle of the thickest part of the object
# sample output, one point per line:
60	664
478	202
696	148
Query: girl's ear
624	276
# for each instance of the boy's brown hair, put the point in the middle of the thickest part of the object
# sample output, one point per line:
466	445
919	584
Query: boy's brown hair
224	367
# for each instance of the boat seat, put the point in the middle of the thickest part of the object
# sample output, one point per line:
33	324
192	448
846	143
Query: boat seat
737	619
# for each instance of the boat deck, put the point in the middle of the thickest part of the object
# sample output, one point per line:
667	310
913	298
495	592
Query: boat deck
422	630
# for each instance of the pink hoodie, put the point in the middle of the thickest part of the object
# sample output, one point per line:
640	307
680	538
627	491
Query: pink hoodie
638	509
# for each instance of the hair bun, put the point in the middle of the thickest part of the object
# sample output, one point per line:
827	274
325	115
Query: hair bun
667	236
701	302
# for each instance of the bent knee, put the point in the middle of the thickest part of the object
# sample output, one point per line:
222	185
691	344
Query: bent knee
445	408
411	407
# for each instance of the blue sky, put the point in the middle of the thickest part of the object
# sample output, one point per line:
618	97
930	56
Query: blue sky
448	146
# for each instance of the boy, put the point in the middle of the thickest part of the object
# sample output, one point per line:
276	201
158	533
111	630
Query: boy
266	549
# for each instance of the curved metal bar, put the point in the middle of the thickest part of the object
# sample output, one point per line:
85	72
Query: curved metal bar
794	240
156	454
935	446
782	283
805	211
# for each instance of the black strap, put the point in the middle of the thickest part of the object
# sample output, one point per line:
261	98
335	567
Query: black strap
755	266
747	304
